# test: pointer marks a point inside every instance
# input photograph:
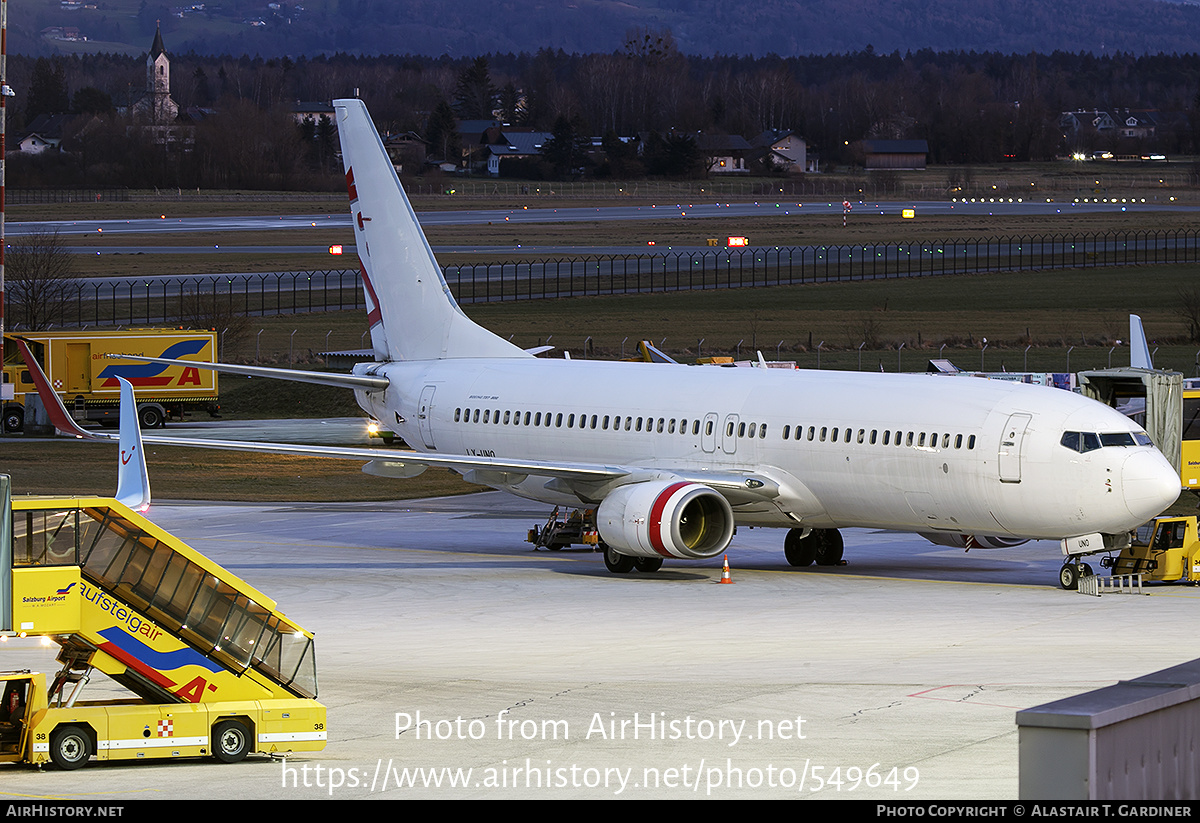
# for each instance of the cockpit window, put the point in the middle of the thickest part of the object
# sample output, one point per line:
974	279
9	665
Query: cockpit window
1118	439
1083	442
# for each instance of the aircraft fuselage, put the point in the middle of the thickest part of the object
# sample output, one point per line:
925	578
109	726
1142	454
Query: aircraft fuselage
924	453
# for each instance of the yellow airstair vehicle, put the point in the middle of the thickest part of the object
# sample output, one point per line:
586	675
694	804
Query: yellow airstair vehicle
213	667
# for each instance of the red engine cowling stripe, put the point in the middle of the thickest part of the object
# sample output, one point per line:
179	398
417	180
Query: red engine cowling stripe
654	522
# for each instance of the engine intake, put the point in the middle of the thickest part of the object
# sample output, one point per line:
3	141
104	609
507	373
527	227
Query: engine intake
666	519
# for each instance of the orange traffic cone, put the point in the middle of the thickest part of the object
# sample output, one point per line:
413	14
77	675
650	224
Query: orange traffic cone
725	578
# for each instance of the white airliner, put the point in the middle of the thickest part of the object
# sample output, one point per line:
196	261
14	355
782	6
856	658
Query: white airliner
673	457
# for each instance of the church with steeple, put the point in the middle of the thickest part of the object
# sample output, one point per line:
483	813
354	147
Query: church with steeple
155	104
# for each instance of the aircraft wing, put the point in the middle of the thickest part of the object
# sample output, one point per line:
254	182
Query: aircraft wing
338	379
584	479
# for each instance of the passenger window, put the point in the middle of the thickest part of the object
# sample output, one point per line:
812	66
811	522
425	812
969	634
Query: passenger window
475	419
887	437
873	433
671	426
457	415
742	430
971	442
921	440
824	431
958	441
861	436
762	430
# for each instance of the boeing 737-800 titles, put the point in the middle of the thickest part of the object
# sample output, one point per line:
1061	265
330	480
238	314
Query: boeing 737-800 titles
673	457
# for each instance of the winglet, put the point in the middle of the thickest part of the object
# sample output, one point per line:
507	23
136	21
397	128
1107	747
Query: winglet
1139	351
50	399
133	481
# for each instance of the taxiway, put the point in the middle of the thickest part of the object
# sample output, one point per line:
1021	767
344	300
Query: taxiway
448	650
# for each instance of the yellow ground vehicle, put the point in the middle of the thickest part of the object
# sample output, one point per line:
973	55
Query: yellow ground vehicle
82	368
213	667
1166	549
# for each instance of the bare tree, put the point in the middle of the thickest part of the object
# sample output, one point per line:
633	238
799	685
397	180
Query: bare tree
216	312
41	284
1187	308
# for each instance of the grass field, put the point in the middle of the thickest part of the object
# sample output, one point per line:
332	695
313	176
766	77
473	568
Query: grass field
1050	311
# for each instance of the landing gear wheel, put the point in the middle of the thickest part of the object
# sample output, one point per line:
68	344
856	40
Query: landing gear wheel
647	565
829	547
1068	576
800	551
70	747
616	562
230	741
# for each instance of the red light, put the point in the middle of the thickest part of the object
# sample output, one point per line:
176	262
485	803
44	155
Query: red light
335	249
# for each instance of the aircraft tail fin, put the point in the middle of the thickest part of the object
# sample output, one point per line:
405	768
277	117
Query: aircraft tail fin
1139	351
412	314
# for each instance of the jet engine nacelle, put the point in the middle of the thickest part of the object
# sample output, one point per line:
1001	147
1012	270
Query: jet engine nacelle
972	541
666	519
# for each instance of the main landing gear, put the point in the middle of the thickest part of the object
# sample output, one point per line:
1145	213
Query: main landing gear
618	563
803	547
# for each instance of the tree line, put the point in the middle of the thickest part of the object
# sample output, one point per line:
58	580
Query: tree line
971	107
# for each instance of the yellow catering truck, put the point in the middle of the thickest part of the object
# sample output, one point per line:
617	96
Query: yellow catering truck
83	367
212	667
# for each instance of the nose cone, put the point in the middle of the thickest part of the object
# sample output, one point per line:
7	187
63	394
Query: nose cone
1149	484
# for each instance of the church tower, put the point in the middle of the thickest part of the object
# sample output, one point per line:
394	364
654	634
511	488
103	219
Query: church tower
161	108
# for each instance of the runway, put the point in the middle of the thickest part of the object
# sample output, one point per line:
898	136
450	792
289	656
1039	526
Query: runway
664	211
448	651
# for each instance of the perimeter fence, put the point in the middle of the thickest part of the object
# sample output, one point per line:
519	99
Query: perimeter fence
127	301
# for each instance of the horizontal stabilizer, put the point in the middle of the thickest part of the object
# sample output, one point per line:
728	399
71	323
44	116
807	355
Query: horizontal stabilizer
338	379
